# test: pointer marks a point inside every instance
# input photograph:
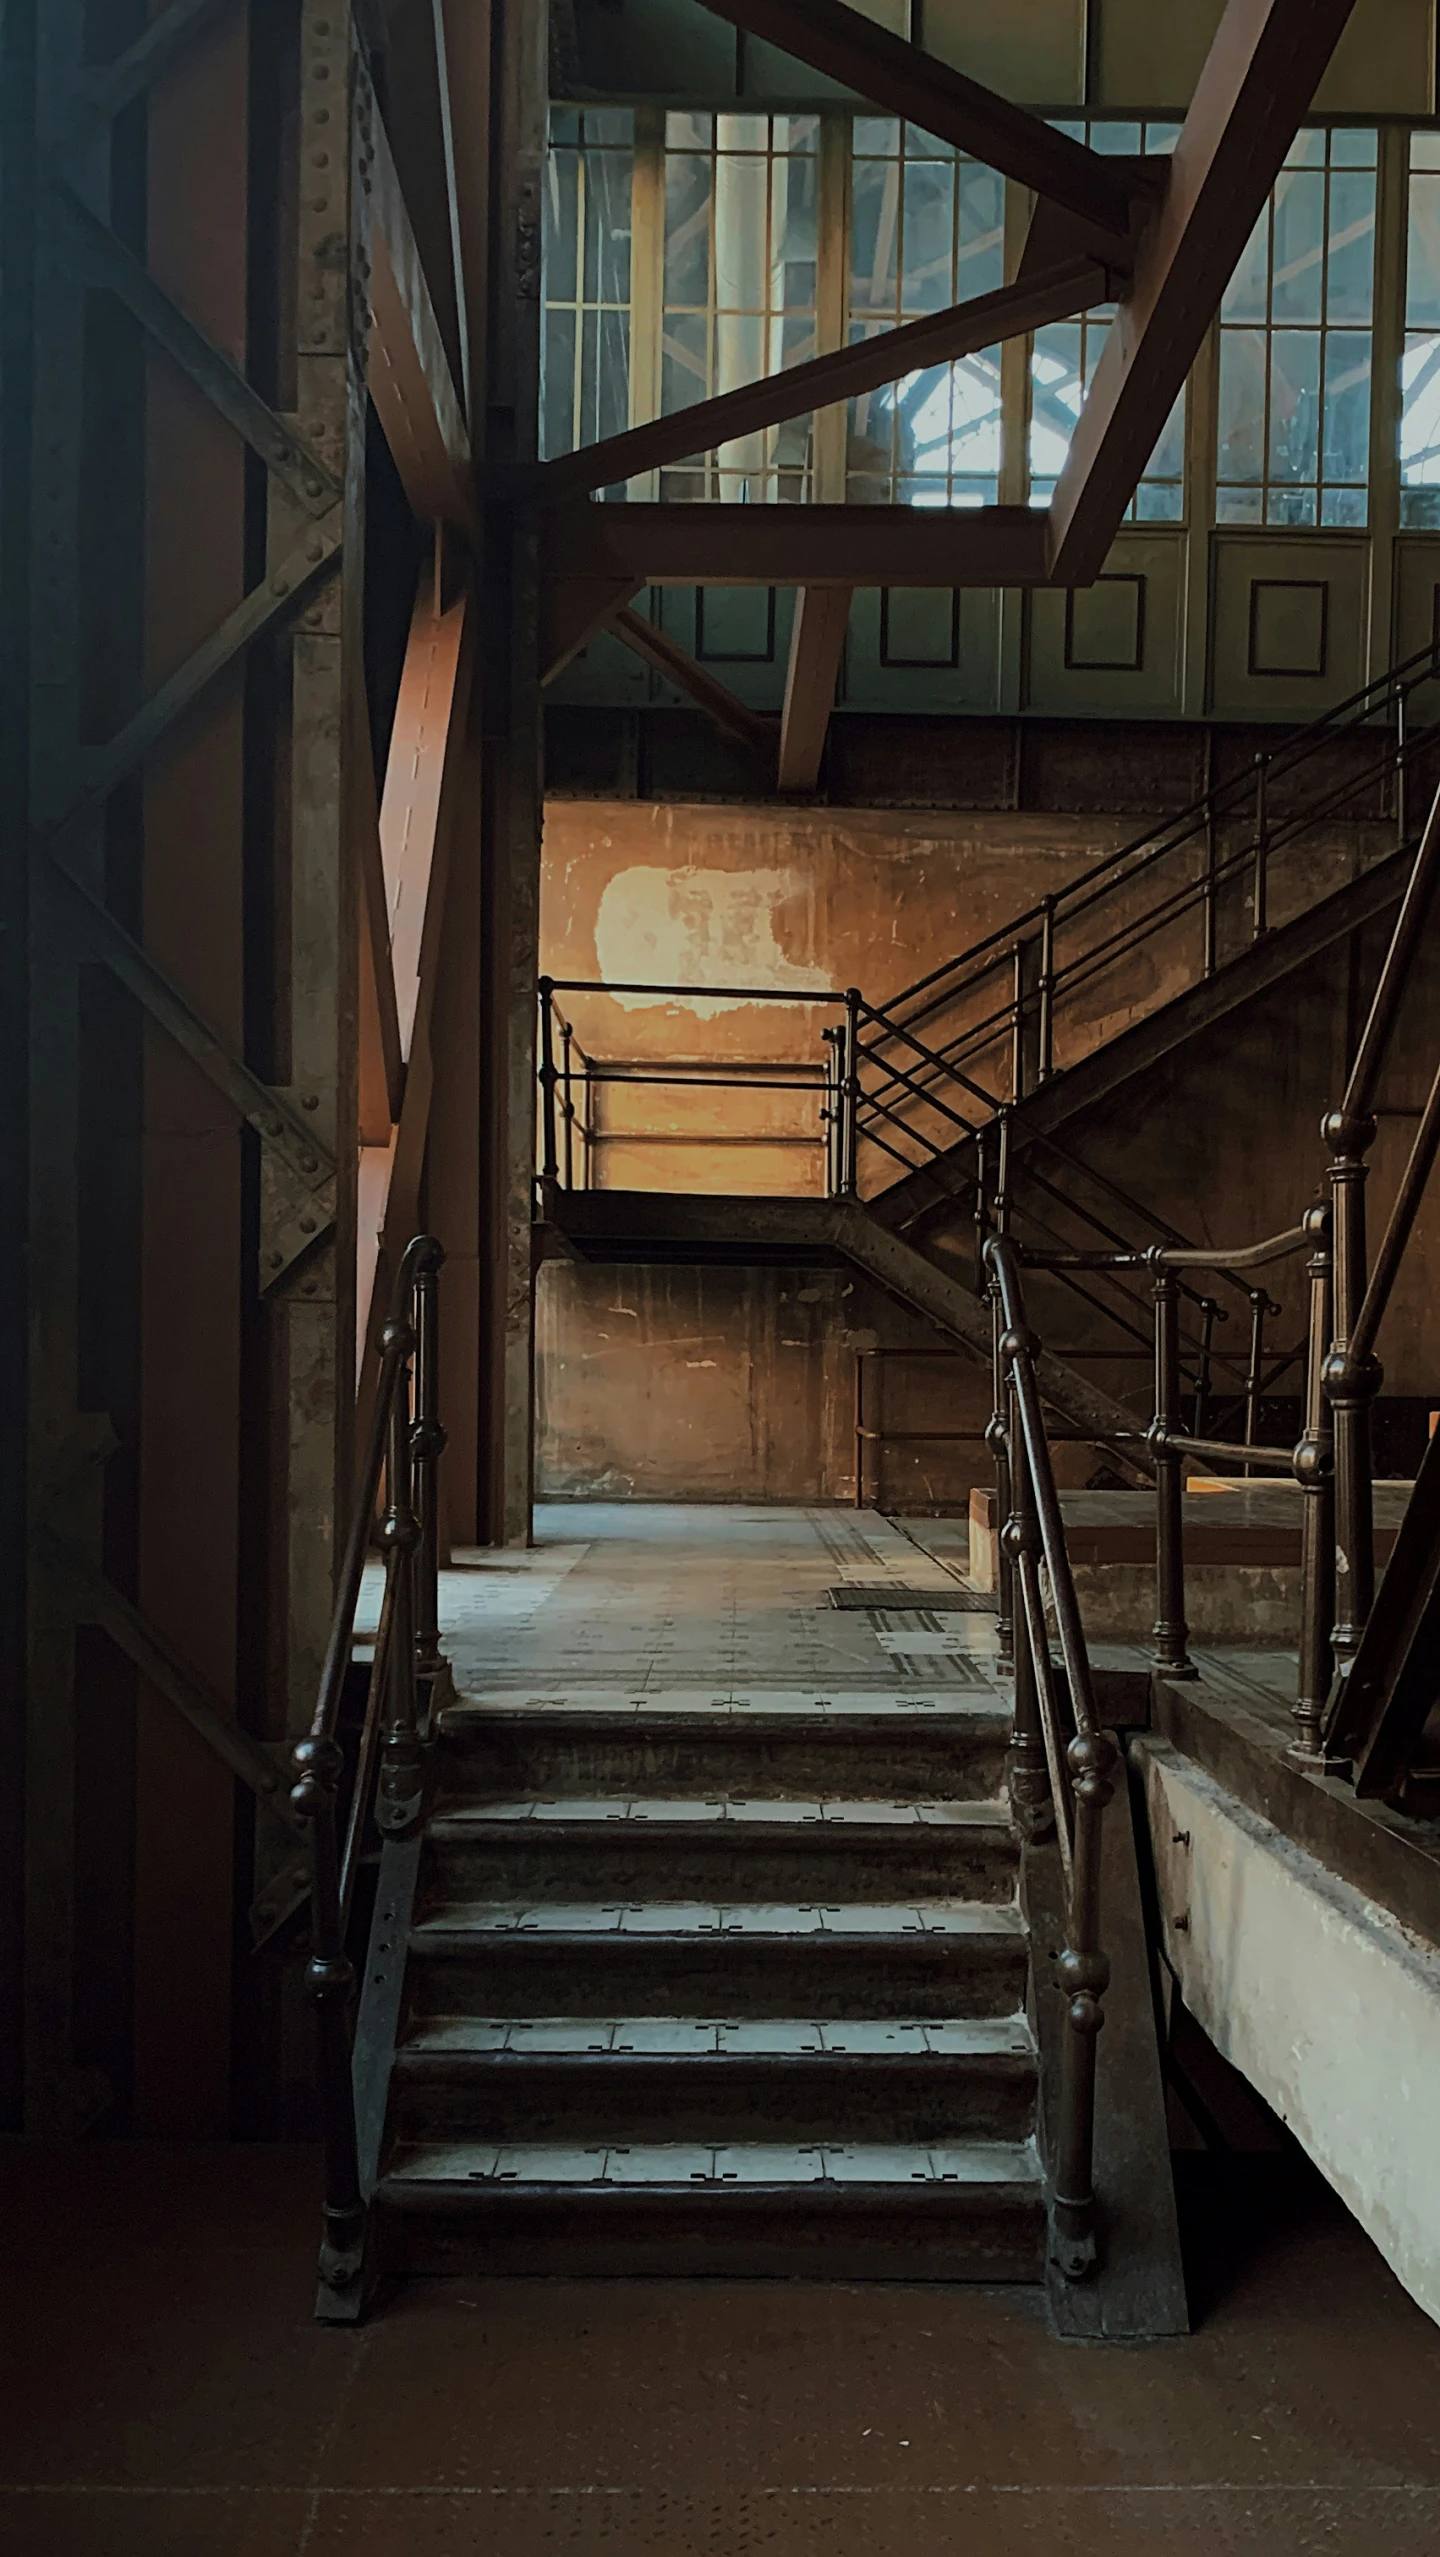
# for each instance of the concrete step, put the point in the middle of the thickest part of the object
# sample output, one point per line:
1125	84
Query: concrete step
639	1847
839	2211
686	2078
925	1958
920	1749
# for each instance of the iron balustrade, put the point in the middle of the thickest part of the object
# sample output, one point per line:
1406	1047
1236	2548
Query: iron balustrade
1062	1762
403	1447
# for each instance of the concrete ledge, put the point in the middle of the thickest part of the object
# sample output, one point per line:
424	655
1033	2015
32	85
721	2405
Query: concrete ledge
1318	1996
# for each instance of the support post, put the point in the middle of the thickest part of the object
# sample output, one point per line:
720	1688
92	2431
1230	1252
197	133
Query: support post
1084	1973
398	1797
1171	1656
850	1102
1351	1382
427	1446
1314	1472
549	1152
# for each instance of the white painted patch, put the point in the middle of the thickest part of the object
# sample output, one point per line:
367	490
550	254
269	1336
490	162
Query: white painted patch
698	928
1320	1998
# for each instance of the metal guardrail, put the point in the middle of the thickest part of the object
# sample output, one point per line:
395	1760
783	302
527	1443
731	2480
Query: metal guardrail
402	1450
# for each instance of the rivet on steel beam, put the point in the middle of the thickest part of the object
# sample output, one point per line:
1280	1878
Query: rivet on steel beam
309	1100
307	1224
308	1163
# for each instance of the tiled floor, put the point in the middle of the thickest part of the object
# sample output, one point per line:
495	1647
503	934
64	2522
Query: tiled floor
636	1599
163	2393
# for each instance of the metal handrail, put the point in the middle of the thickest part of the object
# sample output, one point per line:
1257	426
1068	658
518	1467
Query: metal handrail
403	1447
1071	1752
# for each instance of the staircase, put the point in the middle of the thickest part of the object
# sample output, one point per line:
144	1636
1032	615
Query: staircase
717	1989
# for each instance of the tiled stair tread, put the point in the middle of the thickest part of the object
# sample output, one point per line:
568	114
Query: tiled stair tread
706	1918
642	1811
661	2166
687	2037
960	1704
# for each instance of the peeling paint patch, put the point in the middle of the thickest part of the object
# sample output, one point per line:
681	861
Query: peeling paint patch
700	928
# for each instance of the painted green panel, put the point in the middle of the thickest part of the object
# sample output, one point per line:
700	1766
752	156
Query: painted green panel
1289	626
914	649
1030	49
606	671
1115	648
655	48
1417	611
740	634
1384	63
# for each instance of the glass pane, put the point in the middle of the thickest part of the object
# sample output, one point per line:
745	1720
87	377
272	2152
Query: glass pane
1168	459
610	125
742	132
1347	406
1298	276
796	203
558	400
690	129
1307	151
1351	149
877	133
1057	383
687	232
1350	287
1294	406
982	235
1239	506
1290	506
1422	289
1420	413
928	219
604	375
1242	406
1345	506
607	227
1159	502
1247	293
684	360
1161	137
874	240
562	186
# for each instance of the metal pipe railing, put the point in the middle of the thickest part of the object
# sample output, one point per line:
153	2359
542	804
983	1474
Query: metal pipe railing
1079	1757
403	1446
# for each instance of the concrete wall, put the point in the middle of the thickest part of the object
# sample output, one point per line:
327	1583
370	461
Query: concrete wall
1223	1141
1320	1998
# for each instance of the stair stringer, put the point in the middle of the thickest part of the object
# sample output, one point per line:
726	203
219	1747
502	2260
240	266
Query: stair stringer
938	1187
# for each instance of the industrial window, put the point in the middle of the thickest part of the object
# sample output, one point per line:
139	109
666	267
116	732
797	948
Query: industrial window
926	230
1063	358
1295	339
1420	363
586	388
741	196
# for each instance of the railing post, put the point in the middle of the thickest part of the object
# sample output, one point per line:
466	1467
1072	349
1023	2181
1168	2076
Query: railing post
1211	922
859	1429
427	1446
398	1795
549	1154
1351	1383
329	1985
1045	1063
1314	1472
982	1210
997	1440
567	1105
1084	1974
1261	880
1259	1308
1171	1631
1027	1773
830	1110
1401	792
1208	1312
850	1108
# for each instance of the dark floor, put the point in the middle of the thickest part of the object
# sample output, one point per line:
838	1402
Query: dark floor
162	2390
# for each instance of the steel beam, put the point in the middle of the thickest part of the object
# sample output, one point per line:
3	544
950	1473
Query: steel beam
116	85
734	718
919	87
817	644
587	547
408	374
1259	77
1056	292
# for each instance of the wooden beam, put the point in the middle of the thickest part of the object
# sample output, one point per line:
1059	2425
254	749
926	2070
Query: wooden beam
1032	302
382	1062
408	374
922	89
463	34
733	717
573	609
1259	77
417	810
634	546
817	642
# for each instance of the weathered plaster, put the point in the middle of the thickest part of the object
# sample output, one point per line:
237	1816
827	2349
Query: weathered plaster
1321	1999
